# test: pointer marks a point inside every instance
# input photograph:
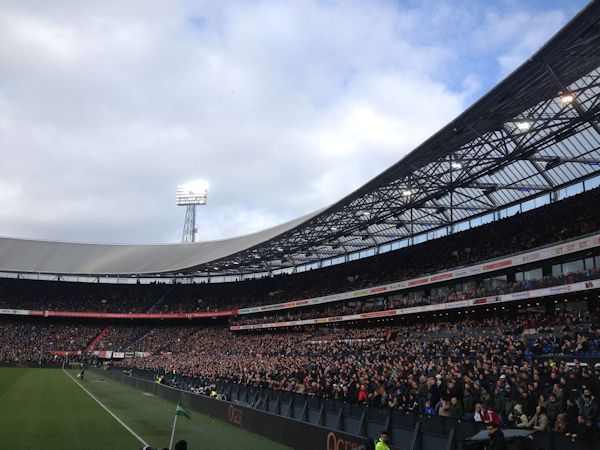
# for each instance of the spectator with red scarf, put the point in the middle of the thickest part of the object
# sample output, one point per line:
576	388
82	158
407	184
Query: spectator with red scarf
490	416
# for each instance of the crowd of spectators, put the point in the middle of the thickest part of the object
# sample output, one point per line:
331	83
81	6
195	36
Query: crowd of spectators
485	370
36	342
501	369
65	296
566	219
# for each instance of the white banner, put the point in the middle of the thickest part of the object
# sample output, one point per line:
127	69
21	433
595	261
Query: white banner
534	293
15	312
489	266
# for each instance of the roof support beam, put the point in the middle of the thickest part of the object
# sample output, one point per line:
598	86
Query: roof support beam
575	102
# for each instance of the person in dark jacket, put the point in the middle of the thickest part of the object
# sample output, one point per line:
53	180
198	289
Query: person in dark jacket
586	403
553	409
590	431
456	410
468	402
576	429
497	441
572	412
533	399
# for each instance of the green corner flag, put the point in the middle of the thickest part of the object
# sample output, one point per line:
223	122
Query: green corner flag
181	411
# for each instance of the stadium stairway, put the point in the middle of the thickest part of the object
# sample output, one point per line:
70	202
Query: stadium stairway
94	341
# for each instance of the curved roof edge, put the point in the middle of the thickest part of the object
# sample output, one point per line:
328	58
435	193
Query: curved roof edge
65	258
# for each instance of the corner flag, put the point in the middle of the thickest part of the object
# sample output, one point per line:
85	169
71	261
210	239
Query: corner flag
181	411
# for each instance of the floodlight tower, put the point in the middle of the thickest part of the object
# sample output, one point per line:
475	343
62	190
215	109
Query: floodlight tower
190	195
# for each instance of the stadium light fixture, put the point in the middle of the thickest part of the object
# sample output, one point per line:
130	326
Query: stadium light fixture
456	165
407	193
524	125
567	98
190	195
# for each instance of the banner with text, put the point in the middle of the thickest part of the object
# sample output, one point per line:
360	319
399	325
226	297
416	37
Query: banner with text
534	293
488	266
97	315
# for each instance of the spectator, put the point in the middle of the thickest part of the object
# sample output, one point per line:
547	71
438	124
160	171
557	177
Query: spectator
516	418
490	416
587	405
455	408
539	421
479	413
560	425
363	395
497	441
553	408
579	429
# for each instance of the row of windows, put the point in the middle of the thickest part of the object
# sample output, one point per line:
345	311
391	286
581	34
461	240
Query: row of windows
530	275
580	265
577	266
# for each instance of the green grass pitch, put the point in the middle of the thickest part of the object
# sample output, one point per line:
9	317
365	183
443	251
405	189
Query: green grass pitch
45	409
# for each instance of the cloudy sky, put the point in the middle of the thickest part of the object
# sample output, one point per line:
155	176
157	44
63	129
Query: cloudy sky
105	107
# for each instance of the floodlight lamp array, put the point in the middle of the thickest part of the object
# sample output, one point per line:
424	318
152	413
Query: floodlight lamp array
194	193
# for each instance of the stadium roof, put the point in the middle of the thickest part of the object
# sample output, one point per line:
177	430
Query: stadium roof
535	132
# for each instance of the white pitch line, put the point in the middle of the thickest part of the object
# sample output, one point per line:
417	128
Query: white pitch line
108	410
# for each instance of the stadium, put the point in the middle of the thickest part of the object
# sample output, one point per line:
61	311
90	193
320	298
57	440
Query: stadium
452	302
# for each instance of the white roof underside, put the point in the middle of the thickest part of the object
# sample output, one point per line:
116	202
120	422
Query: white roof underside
32	256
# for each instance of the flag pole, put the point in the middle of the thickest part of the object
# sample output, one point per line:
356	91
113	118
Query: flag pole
173	432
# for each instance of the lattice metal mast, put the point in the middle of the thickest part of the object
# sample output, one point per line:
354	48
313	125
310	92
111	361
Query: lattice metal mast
191	195
189	226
